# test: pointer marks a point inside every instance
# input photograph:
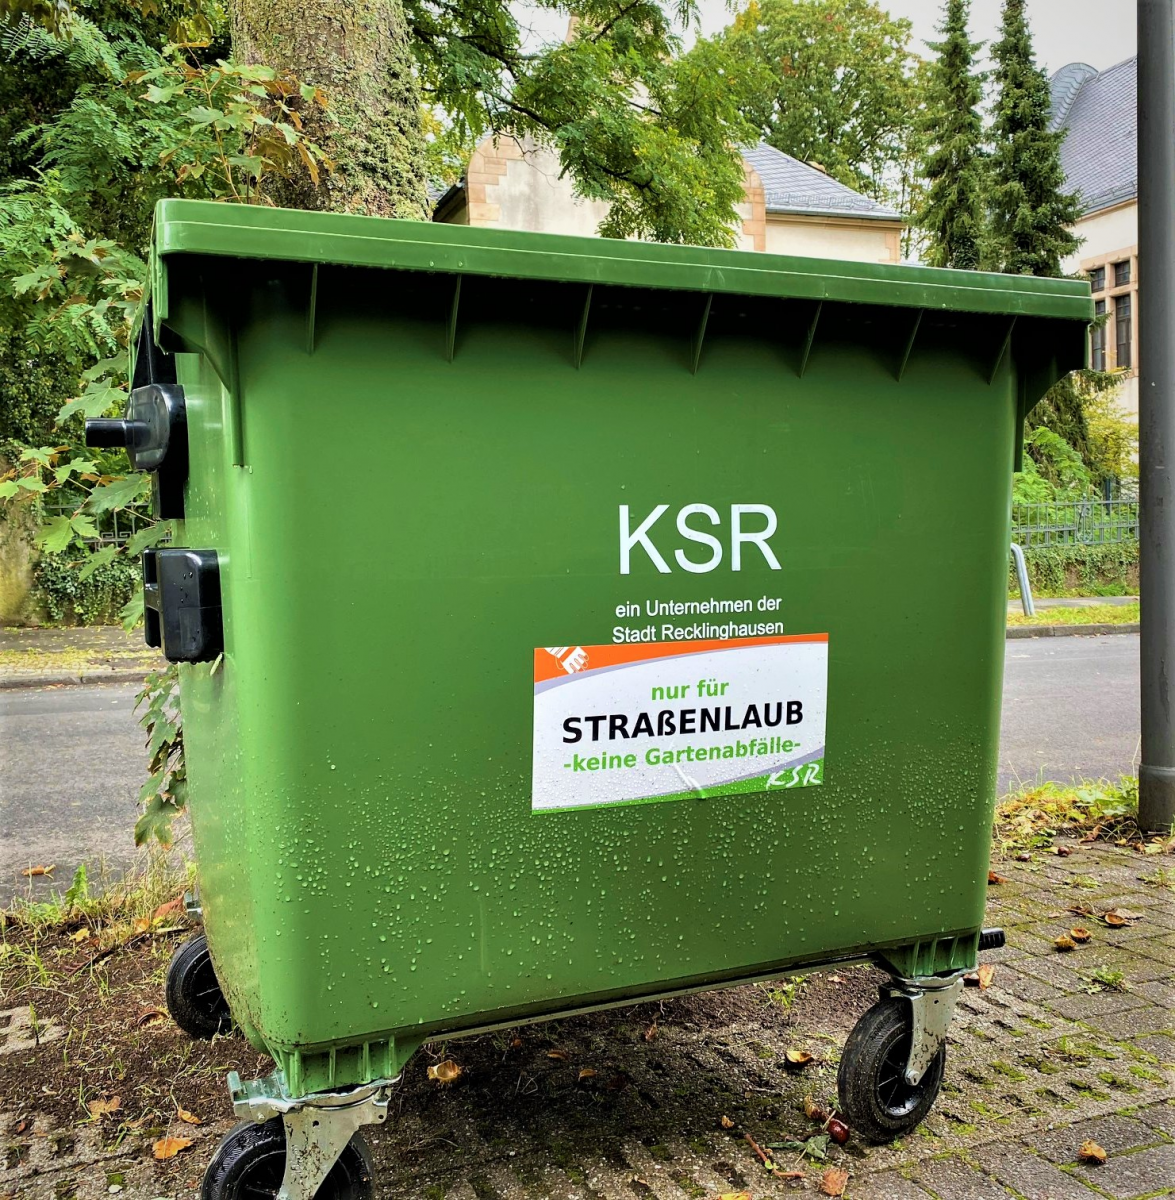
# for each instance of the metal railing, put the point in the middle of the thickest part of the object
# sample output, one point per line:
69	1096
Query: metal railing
114	528
1075	522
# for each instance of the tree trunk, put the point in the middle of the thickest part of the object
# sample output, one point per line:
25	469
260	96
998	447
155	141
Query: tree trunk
358	53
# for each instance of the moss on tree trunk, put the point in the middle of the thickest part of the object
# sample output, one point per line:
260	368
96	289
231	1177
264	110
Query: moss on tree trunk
358	53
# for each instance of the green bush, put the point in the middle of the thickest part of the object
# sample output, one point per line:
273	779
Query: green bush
1109	569
67	599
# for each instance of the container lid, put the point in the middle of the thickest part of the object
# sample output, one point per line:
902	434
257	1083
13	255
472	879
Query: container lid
253	232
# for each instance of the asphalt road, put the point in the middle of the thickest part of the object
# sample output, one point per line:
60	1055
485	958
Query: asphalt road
71	758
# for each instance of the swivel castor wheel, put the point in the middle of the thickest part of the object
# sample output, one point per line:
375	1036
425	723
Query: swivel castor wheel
194	999
874	1096
250	1162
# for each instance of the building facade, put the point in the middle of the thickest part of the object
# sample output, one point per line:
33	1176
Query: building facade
788	207
1099	112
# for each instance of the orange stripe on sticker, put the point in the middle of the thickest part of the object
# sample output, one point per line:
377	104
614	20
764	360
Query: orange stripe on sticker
557	662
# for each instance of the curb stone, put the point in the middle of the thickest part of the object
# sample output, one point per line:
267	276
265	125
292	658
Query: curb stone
59	679
1028	631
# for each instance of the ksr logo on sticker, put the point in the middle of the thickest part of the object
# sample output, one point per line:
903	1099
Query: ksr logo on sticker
570	658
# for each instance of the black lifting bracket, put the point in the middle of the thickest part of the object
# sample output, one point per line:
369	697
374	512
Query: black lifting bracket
154	431
181	604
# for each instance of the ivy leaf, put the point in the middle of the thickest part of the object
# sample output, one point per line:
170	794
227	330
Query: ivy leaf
148	536
131	612
93	403
118	494
96	560
82	466
155	822
83	527
56	535
116	365
202	115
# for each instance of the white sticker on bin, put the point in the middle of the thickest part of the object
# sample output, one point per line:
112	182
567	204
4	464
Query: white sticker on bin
632	724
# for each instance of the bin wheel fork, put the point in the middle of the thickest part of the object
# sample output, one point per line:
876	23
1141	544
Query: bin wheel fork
296	1148
894	1058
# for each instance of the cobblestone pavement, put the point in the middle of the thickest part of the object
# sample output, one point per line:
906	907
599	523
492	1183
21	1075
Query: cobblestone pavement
1043	1060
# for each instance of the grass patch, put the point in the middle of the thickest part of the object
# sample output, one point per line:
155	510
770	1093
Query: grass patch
1033	817
1093	614
72	659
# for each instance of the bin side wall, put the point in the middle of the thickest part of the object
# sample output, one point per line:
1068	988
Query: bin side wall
405	530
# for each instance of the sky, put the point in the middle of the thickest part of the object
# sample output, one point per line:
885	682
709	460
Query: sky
1099	32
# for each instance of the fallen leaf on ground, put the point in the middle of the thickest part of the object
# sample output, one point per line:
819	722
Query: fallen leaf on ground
981	977
834	1181
992	877
29	872
100	1108
171	909
1081	910
586	1073
150	1014
169	1147
835	979
187	1117
726	1122
21	1125
142	924
799	1058
1065	943
559	1055
445	1072
651	1032
1080	934
1091	1152
814	1111
80	936
735	1196
1121	916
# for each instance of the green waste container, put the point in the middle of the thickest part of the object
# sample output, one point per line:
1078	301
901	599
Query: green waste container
568	622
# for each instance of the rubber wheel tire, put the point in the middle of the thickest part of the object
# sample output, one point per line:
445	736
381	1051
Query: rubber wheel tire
251	1159
194	999
877	1102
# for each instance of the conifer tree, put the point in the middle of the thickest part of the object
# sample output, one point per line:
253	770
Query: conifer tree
1031	213
952	133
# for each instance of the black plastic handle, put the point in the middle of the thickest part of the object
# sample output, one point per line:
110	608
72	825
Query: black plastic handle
111	433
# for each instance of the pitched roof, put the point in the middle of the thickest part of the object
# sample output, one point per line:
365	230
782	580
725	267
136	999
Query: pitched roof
1099	111
794	187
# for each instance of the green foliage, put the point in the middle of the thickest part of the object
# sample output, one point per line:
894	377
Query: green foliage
1105	569
1032	215
953	210
97	599
665	164
1078	437
1029	819
34	385
165	794
830	82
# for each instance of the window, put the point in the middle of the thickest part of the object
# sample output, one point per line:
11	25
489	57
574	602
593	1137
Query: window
1097	339
1122	274
1122	328
1097	279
